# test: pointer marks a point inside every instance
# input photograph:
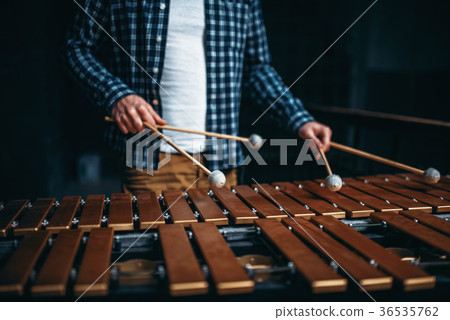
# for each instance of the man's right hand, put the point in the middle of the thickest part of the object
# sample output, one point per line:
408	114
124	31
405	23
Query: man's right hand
131	111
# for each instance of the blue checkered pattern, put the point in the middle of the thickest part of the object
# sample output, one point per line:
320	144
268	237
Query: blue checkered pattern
237	57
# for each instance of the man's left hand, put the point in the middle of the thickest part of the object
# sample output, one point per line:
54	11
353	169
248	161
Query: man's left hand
318	132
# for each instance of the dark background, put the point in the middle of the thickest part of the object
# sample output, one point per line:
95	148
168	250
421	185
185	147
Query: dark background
394	60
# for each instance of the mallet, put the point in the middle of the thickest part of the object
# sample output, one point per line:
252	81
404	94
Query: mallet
333	182
215	178
430	175
255	140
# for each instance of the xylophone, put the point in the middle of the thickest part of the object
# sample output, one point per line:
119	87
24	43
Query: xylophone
384	234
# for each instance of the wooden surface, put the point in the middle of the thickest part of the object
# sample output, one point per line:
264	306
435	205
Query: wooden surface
93	274
429	220
396	199
438	205
120	215
352	208
179	210
321	277
183	270
287	203
229	277
91	216
416	230
314	203
209	211
54	275
445	179
239	212
17	270
407	182
439	185
369	200
409	276
64	214
419	185
367	276
32	219
440	193
9	213
264	208
150	213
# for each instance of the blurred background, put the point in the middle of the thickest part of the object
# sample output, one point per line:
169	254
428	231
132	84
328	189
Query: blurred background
395	60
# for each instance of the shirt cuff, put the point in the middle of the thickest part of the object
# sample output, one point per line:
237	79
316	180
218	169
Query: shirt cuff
114	94
298	120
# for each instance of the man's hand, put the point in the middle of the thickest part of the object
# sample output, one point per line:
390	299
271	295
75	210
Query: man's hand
318	132
131	111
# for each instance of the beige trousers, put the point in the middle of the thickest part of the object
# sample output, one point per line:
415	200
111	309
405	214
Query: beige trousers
178	174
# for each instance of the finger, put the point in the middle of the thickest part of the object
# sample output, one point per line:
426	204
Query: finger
145	114
127	122
326	139
157	118
151	120
121	125
310	134
147	119
135	120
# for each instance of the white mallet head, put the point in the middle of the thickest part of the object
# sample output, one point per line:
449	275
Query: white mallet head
431	175
217	179
333	182
255	140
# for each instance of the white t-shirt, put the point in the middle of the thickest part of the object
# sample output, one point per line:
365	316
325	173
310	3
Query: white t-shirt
184	75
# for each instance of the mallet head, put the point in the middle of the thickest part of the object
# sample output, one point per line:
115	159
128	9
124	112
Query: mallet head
333	182
431	175
217	179
255	140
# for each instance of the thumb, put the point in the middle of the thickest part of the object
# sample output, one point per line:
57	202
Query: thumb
158	119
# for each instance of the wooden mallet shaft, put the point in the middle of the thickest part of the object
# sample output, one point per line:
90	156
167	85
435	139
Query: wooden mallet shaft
326	161
375	158
332	182
204	133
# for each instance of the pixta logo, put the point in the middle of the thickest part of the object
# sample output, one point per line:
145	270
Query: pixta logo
141	148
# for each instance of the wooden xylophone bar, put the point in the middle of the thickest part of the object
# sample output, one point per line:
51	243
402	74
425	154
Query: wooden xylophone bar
321	276
77	236
184	273
358	198
411	277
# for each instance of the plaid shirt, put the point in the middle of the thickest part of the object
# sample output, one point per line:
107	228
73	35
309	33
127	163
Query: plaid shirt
237	57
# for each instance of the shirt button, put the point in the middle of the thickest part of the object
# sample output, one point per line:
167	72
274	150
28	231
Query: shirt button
155	102
162	6
158	39
155	70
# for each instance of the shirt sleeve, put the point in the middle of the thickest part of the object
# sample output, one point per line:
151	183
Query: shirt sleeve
84	37
265	86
